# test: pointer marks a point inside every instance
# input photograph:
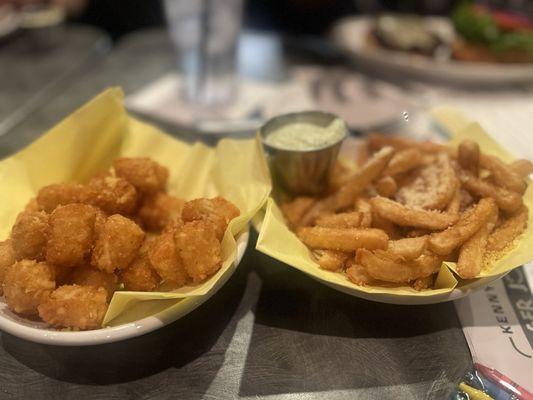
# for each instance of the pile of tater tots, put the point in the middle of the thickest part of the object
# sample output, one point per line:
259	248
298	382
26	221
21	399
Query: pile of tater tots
75	244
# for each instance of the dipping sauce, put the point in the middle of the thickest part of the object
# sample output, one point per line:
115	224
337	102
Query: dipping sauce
305	136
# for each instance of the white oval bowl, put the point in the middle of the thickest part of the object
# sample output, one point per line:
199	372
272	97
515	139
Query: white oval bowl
36	331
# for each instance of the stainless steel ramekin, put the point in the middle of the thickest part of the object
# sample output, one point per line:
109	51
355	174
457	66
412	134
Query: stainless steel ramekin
302	171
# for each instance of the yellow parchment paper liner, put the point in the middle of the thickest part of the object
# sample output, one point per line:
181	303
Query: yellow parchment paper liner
276	240
90	138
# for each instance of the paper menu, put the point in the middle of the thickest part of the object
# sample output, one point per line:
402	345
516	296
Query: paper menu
498	325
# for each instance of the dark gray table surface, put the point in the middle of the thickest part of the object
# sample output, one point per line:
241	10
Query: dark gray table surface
270	332
36	64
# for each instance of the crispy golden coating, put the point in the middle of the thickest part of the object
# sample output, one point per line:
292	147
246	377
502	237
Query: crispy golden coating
158	209
404	161
112	195
140	275
58	194
386	186
508	231
408	248
522	167
357	273
468	156
145	174
343	239
199	249
29	235
387	267
32	205
432	186
88	276
71	234
296	209
164	258
503	174
342	220
363	205
116	244
7	259
407	216
217	211
27	284
331	260
506	200
76	307
358	183
471	221
411	206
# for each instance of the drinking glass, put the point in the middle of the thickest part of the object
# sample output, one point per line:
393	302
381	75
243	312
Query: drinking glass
205	34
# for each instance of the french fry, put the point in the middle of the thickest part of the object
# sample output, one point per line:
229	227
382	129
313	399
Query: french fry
342	220
454	205
505	199
471	221
331	260
408	248
377	141
295	209
405	216
432	188
522	168
511	228
404	161
385	225
470	259
502	174
424	283
340	174
383	266
346	195
468	156
386	186
357	273
317	237
363	205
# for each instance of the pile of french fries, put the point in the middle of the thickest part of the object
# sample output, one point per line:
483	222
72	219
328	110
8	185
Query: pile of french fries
409	207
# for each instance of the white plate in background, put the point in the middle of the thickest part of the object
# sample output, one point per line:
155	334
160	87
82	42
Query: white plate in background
350	34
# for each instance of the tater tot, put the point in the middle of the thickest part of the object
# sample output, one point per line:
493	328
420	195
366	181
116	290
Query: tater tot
60	194
112	195
140	275
75	307
7	259
158	210
29	235
32	205
165	260
199	249
88	276
145	174
116	244
218	211
71	234
27	284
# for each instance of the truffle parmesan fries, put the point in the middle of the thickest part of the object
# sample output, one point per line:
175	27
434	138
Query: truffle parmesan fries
411	206
75	244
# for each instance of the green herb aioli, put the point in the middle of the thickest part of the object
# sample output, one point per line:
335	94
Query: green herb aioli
306	136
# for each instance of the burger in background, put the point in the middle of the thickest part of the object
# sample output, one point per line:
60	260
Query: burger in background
493	33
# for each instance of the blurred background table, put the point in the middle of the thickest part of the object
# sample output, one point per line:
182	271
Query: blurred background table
271	332
36	65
